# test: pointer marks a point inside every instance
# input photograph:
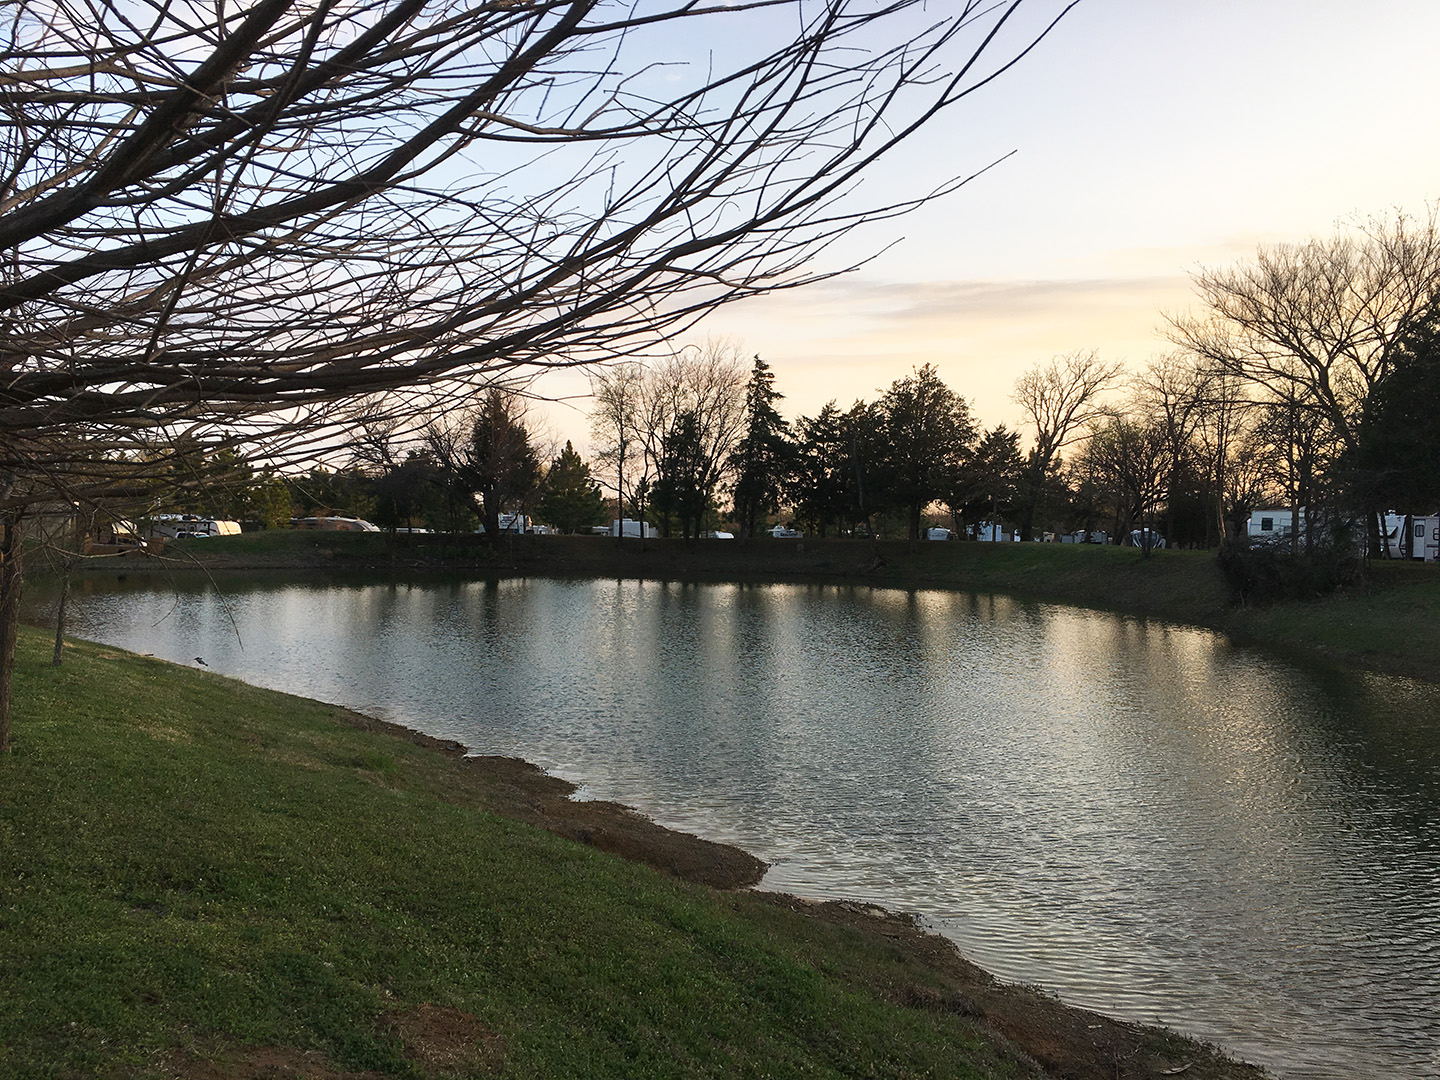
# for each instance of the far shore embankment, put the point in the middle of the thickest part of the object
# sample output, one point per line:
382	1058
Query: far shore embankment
1390	623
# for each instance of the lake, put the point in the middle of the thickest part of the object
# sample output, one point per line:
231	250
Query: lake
1138	816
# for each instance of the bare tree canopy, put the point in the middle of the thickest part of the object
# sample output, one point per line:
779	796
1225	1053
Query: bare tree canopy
641	411
220	218
1316	325
1059	399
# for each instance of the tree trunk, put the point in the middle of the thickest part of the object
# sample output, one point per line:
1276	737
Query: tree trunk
60	611
1375	535
11	580
1035	479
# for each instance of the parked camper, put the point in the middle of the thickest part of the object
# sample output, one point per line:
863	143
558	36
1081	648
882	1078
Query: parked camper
1146	538
939	534
994	532
633	528
191	526
334	524
1271	525
1421	542
1426	543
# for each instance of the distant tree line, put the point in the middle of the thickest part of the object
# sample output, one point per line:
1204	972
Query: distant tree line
1310	382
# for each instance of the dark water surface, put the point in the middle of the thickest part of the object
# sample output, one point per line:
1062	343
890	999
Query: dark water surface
1137	816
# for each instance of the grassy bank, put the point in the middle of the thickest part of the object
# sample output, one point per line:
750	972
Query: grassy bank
1392	623
202	879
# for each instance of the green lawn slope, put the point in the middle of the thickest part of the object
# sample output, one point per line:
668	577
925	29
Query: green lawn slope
202	879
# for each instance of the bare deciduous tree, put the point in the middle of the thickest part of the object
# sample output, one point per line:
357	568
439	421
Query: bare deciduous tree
1221	426
694	400
227	212
1060	399
615	429
1317	324
1171	390
1126	456
639	411
220	219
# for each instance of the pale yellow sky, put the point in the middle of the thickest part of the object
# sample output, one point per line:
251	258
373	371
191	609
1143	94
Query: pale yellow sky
1153	137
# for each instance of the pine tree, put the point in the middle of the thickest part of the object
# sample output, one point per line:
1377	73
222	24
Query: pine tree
763	459
570	500
925	429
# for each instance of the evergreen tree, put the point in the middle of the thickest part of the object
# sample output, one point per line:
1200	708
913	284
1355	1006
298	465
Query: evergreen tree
682	493
1399	454
822	461
408	491
487	458
323	493
569	499
925	429
764	457
834	464
988	480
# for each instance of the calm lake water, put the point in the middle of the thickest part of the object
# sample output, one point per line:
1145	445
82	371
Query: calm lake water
1139	817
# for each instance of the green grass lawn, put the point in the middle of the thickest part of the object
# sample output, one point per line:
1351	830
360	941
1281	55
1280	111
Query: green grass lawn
190	867
1393	624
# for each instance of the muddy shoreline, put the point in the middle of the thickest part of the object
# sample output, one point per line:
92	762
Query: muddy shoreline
1064	1041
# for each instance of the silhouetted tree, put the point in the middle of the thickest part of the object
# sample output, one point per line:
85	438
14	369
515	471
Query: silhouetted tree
988	479
924	432
761	462
407	491
1400	436
487	455
1316	327
822	480
692	407
569	499
1060	399
616	428
1125	457
1171	391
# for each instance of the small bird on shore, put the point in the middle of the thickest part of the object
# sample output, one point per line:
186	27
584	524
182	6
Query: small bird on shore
201	662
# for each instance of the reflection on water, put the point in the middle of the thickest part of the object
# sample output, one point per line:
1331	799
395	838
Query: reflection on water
1134	815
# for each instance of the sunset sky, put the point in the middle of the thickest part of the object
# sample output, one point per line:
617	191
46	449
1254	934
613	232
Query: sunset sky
1153	137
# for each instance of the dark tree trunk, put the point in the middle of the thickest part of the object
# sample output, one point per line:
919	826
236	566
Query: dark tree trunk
64	603
11	581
